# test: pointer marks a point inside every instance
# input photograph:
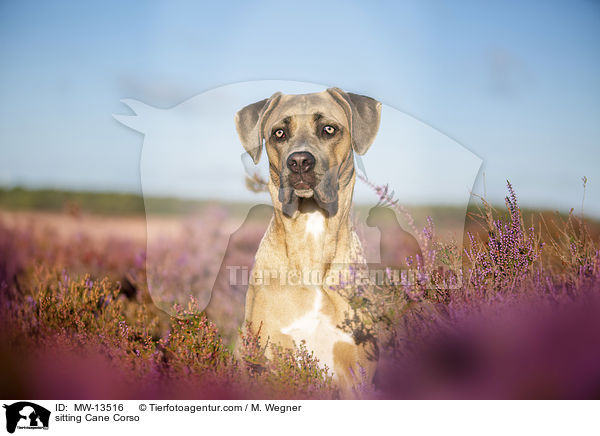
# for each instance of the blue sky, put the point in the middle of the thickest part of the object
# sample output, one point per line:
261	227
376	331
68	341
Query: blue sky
516	83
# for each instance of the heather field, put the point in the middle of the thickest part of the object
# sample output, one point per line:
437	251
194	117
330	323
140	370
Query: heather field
517	317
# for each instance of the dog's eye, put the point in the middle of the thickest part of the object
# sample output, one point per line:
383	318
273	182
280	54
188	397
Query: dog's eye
329	130
279	134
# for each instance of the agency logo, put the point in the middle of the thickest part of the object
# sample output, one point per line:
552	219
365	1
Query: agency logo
26	415
192	151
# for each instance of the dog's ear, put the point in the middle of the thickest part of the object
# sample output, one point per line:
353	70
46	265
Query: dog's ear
249	123
364	114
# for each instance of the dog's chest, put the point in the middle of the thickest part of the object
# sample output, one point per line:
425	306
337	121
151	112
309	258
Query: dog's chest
317	330
314	225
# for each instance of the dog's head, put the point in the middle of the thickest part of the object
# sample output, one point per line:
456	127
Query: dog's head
309	141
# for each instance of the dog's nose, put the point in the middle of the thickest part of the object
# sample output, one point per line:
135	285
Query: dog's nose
301	162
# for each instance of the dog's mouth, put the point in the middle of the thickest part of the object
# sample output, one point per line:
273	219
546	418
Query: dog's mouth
322	189
303	184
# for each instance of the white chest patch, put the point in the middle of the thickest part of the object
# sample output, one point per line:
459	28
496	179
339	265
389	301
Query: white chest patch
319	333
315	224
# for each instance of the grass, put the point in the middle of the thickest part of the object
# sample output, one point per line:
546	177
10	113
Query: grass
518	318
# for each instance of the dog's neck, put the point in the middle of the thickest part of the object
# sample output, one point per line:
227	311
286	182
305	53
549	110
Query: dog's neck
310	239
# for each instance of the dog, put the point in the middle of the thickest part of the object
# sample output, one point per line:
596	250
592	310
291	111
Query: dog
310	141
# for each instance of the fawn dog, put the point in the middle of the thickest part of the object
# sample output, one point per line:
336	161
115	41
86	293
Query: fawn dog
310	141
